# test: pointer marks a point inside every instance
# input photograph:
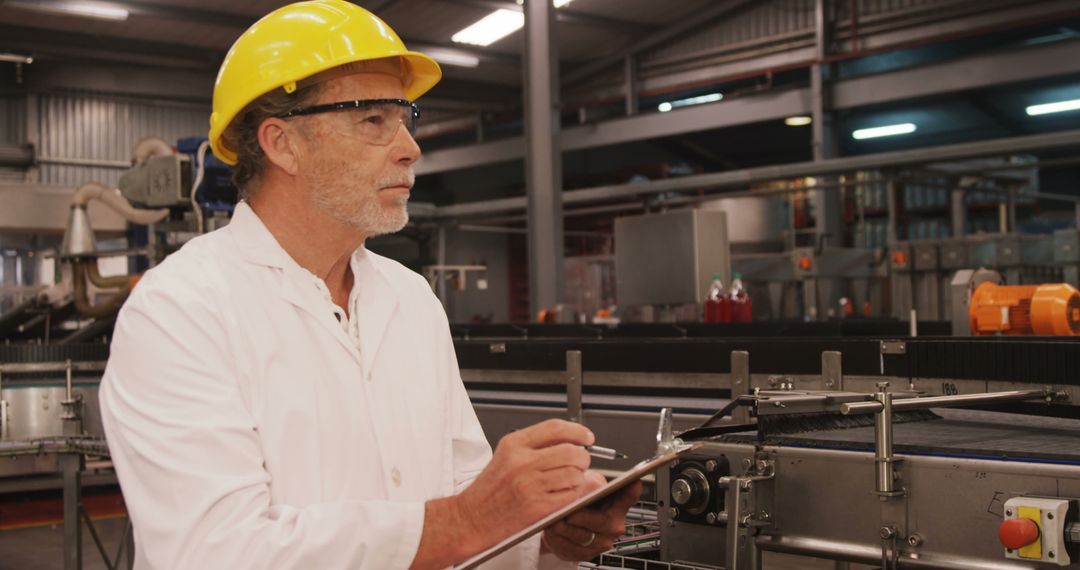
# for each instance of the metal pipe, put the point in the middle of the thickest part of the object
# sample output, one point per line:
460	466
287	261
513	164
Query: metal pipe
946	401
883	441
3	409
82	299
93	273
861	553
67	381
38	367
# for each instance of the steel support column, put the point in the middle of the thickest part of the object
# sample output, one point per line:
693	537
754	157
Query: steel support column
958	212
828	205
72	465
543	164
630	75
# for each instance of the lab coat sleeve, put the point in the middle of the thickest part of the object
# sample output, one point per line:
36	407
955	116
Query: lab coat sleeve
472	453
188	455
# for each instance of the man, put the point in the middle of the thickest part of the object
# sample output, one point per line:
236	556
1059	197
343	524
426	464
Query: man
280	397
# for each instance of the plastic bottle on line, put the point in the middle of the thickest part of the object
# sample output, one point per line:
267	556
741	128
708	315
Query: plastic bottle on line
741	306
717	303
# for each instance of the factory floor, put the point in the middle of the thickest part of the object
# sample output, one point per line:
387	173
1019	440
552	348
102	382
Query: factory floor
42	548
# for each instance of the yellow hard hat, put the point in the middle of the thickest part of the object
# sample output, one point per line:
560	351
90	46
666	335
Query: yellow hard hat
298	41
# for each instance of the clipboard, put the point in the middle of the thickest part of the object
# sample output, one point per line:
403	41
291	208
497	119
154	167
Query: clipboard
637	472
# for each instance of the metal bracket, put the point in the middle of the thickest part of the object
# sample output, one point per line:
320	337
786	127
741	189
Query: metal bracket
666	442
893	347
742	516
889	552
832	372
740	384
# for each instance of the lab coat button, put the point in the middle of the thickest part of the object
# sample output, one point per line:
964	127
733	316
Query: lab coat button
395	476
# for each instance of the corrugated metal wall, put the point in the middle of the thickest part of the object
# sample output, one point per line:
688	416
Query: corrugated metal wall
760	20
12	131
103	129
768	18
12	120
871	7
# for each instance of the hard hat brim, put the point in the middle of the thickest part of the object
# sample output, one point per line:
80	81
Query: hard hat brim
422	74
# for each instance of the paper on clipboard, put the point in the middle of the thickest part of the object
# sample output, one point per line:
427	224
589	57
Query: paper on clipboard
635	473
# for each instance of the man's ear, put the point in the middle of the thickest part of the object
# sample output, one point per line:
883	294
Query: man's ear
280	143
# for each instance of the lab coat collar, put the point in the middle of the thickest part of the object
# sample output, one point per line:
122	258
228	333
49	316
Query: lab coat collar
257	245
376	298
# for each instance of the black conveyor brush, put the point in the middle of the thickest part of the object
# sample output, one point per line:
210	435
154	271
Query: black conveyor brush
784	424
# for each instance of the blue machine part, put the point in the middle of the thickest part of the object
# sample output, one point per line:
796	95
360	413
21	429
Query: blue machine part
216	193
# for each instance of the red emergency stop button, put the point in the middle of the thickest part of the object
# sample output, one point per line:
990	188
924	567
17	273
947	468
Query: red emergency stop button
1018	533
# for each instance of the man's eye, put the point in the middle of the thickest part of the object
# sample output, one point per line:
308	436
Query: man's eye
375	119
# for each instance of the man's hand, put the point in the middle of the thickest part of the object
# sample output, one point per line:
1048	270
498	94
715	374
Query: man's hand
589	532
533	472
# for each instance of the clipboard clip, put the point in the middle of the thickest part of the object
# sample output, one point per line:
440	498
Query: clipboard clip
666	442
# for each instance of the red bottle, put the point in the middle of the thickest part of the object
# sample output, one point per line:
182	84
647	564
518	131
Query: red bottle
717	303
741	306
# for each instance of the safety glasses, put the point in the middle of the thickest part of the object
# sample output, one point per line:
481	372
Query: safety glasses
378	120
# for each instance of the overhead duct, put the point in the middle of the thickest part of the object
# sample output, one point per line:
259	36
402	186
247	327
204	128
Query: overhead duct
79	236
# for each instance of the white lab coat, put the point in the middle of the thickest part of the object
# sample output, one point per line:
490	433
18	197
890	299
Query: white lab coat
249	430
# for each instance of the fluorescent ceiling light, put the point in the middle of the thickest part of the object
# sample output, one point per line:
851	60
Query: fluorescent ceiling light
491	28
800	121
101	11
710	98
16	58
1058	107
452	57
885	131
556	3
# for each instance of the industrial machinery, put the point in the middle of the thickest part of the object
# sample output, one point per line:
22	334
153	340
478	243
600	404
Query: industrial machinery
49	417
856	444
1048	310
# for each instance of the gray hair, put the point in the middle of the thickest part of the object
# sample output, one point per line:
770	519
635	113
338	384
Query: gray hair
243	135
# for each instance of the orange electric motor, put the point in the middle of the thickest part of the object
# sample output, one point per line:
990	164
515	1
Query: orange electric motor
1046	310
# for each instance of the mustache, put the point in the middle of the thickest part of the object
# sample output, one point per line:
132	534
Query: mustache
406	179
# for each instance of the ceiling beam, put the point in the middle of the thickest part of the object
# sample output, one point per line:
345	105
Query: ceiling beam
82	47
680	28
243	21
750	176
951	76
566	16
376	6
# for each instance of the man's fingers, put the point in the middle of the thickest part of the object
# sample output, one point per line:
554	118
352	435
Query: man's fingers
551	432
572	533
563	455
594	480
567	549
625	498
562	479
589	518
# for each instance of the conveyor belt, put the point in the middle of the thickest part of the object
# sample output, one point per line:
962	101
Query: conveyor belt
960	433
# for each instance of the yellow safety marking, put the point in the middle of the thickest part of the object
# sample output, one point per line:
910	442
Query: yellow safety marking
1033	550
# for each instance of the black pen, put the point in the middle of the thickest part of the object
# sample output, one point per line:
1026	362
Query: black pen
604	452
